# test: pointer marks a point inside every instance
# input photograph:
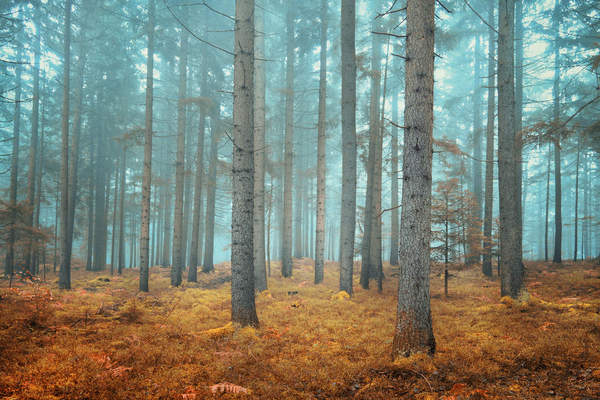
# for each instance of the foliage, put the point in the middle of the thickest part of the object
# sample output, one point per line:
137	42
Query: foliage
103	341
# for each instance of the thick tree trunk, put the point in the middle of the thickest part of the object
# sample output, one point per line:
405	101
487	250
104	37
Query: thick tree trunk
489	148
414	332
243	309
521	166
211	193
348	210
178	225
286	234
511	267
147	172
64	278
260	271
321	143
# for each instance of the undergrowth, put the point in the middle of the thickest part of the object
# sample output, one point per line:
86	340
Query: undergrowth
103	340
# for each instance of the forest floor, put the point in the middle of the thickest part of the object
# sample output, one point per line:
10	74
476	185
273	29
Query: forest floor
103	340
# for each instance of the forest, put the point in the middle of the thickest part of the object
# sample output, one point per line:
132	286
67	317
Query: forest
280	199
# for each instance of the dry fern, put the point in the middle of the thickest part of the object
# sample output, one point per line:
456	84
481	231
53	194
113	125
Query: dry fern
227	387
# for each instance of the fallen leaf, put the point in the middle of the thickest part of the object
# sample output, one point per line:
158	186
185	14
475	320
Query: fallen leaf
227	387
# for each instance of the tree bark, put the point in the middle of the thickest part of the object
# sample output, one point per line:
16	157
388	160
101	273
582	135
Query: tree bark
348	110
576	220
178	225
260	271
474	256
35	116
368	268
147	172
557	258
414	332
395	226
211	193
64	278
121	263
489	149
243	309
9	268
197	225
286	238
321	152
511	279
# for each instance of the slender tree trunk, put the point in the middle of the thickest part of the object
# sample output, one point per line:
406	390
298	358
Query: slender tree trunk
576	221
260	272
178	225
74	156
243	309
395	226
35	116
286	238
367	267
211	194
556	114
414	330
511	279
196	228
147	173
547	204
91	195
121	263
38	196
321	143
474	256
489	149
9	268
586	243
64	279
348	211
521	166
114	225
166	261
99	258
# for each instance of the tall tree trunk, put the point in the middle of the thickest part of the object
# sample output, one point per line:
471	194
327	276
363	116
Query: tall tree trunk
35	116
556	115
576	220
321	143
511	279
147	173
474	255
286	234
395	226
519	119
260	271
178	225
90	200
414	331
243	309
121	263
586	231
166	261
38	196
9	268
367	268
74	156
114	225
547	203
489	149
99	259
195	249
64	278
211	194
348	210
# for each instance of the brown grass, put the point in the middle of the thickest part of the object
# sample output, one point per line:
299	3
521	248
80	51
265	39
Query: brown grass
103	340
